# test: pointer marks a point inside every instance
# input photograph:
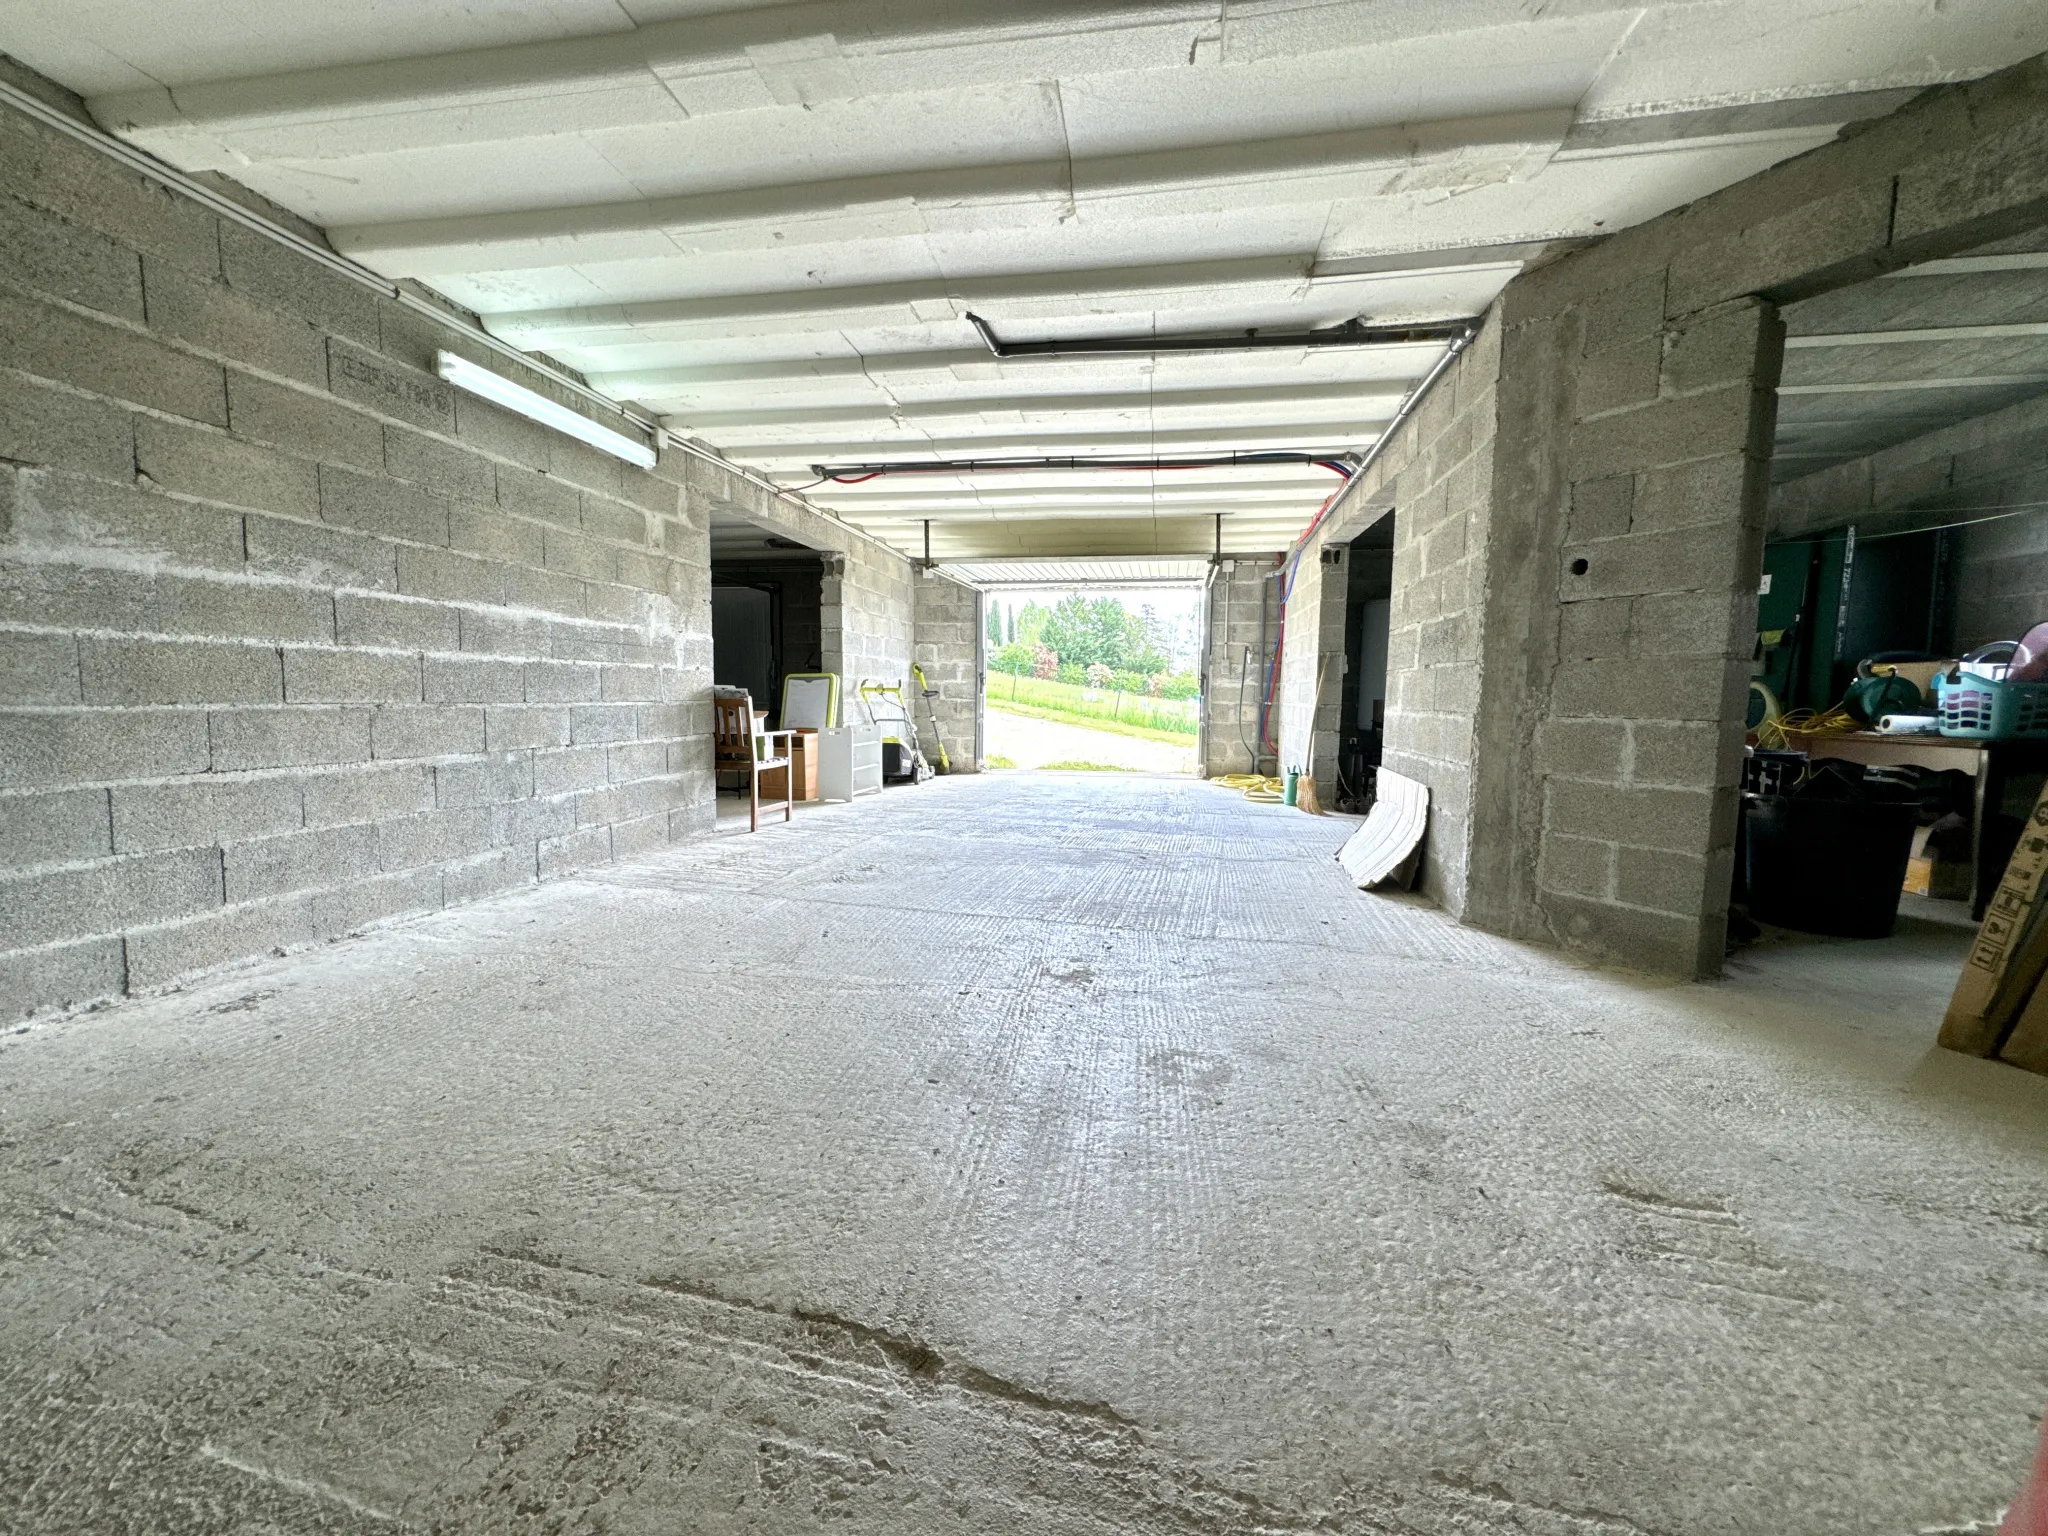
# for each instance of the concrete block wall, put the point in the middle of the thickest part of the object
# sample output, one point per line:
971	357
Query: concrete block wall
1628	692
867	601
292	636
1241	599
1438	473
1312	663
949	647
1601	614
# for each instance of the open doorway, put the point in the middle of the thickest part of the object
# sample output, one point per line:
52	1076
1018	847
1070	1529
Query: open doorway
767	623
1361	722
1887	775
1094	679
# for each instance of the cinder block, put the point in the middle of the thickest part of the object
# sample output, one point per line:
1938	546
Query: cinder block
197	813
1626	312
474	680
484	781
198	461
1693	755
634	760
315	425
1716	490
623	525
1673	820
206	313
283	280
177	672
288	737
444	468
1662	881
62	827
559	772
1583	749
564	550
511	727
358	905
433	838
60	977
389	388
322	556
589	723
38	668
502	869
69	262
563	682
545	590
578	850
1650	688
1701	624
379	505
523	823
40	425
374	793
162	954
626	605
588	468
61	904
54	512
299	861
1596	628
74	746
627	802
1630	937
1710	557
1712	424
1808	235
504	634
67	347
351	677
452	578
642	835
648	573
488	530
396	623
427	731
527	494
1719	347
84	186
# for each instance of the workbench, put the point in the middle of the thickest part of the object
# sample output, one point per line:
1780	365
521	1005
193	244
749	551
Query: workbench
1990	765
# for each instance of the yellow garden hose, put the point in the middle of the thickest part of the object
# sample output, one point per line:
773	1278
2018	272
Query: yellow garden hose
1256	786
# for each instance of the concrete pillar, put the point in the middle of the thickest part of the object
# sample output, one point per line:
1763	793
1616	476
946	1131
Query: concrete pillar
949	646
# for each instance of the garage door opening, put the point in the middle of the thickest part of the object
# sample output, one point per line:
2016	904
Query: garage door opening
1094	679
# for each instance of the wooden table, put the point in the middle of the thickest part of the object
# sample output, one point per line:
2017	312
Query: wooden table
1989	763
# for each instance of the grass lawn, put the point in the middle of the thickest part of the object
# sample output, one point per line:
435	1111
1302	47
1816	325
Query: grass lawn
1090	722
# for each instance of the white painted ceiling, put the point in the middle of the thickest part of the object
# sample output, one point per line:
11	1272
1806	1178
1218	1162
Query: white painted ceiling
767	223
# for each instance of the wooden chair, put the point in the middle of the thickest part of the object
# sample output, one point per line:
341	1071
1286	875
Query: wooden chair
740	745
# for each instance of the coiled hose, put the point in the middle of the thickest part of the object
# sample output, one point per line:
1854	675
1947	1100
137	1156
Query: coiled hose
1256	786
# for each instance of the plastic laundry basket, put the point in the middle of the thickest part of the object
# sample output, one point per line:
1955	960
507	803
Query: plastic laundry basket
1991	709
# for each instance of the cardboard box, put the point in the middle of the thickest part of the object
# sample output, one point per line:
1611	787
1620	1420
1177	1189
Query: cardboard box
2010	951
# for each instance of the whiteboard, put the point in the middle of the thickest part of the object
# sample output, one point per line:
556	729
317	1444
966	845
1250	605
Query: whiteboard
807	702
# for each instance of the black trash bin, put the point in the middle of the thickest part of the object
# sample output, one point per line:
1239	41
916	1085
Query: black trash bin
1827	866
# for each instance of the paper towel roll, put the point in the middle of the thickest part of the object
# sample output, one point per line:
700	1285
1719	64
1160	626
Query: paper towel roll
1909	725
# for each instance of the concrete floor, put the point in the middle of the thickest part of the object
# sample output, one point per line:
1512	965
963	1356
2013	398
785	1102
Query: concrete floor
1016	1154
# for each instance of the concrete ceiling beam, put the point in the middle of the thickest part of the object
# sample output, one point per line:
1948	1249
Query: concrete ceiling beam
1431	157
1022	296
1935	333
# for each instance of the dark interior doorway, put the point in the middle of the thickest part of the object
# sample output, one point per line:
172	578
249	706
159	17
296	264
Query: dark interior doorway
767	616
1368	608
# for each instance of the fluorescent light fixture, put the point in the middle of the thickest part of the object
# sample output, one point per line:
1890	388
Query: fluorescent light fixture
499	390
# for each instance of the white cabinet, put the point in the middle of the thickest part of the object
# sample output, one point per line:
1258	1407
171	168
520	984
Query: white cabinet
849	761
